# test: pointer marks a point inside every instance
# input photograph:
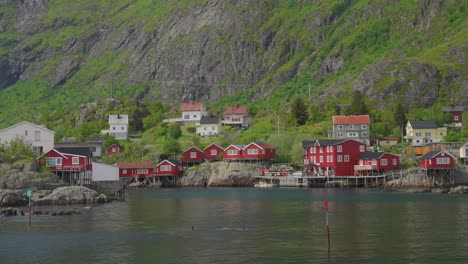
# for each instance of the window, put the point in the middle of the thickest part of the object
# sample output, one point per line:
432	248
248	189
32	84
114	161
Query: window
113	128
442	161
363	126
212	128
362	148
50	162
121	128
252	151
384	162
328	158
428	134
186	116
204	128
339	127
351	126
352	134
321	159
339	158
346	158
320	149
194	116
25	132
394	162
193	155
418	134
142	171
339	135
331	158
165	168
232	152
312	150
315	160
374	162
75	160
37	135
441	133
124	171
339	148
214	152
114	149
364	134
455	118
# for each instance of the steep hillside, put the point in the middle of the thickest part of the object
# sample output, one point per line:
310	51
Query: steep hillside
57	54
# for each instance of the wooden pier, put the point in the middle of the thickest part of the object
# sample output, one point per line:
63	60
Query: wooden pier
321	181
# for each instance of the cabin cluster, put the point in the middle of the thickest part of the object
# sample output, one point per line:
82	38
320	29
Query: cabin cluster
255	151
210	125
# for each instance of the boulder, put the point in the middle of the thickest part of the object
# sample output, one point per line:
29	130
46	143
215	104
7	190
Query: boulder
12	198
70	195
459	189
440	190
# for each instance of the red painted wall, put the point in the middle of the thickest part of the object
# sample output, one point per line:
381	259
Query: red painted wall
226	156
113	150
219	152
175	170
431	163
186	155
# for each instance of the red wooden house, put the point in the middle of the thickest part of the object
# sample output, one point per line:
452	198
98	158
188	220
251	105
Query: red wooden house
113	149
438	160
375	163
258	151
72	165
192	156
213	152
136	169
169	168
233	152
332	157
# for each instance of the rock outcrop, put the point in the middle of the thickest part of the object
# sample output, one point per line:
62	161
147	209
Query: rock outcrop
72	195
222	174
23	175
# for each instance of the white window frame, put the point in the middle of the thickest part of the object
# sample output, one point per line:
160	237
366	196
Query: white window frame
58	161
75	160
142	171
339	148
362	148
384	162
252	151
124	171
214	152
339	127
363	126
339	158
443	161
455	118
394	162
346	158
321	159
232	152
165	168
193	154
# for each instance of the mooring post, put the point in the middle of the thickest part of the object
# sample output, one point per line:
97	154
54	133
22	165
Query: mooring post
326	221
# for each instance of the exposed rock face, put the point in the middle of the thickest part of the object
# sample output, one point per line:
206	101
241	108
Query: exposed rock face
223	174
12	198
22	175
72	195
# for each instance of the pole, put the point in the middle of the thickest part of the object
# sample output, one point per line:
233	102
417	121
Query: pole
326	221
30	211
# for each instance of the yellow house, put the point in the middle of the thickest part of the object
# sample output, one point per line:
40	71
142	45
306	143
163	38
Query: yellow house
419	133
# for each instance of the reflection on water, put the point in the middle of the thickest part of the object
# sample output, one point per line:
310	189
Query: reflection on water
247	226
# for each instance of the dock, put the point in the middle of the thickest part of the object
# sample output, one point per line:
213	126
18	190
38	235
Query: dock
321	181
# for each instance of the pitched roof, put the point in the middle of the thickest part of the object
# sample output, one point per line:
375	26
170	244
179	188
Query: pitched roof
352	119
214	145
307	143
208	120
371	155
191	107
80	151
432	154
264	145
28	123
114	145
193	147
236	110
329	142
118	119
135	165
415	124
172	161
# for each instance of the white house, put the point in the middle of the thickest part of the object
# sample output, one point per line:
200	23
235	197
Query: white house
192	112
40	138
236	116
209	126
464	152
105	172
118	126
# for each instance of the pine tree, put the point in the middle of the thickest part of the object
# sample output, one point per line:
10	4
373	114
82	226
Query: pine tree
358	104
300	112
399	116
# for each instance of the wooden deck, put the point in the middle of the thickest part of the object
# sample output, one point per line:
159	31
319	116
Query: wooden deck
322	181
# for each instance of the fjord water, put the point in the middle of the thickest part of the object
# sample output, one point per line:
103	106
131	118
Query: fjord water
246	225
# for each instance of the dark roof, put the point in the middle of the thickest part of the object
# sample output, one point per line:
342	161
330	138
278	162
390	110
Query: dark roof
452	109
307	143
205	120
423	124
329	142
431	154
82	151
371	155
95	140
174	161
264	145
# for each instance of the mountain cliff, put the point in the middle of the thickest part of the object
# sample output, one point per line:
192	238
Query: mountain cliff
57	54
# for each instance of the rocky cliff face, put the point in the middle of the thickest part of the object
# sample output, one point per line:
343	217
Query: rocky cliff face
222	174
203	50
